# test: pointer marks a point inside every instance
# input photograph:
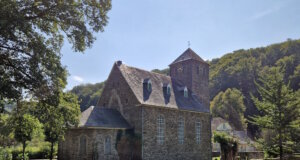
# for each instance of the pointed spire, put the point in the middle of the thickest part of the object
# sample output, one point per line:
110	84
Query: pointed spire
187	55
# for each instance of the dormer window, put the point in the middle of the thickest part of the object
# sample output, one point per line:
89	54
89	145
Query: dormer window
185	92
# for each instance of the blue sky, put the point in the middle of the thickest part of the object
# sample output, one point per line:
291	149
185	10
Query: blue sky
150	34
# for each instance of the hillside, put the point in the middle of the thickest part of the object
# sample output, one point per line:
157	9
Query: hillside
238	69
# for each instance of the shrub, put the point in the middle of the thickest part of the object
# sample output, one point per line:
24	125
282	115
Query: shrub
32	152
5	154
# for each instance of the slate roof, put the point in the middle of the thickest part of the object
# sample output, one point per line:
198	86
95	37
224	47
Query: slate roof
187	55
216	122
103	118
158	96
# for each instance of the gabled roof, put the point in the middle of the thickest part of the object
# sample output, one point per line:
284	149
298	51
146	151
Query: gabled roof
216	122
187	55
102	118
135	78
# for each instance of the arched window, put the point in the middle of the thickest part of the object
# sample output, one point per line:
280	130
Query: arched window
168	89
149	86
107	145
82	145
180	130
160	129
185	92
198	131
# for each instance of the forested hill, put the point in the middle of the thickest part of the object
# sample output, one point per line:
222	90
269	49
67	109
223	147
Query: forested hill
88	94
233	70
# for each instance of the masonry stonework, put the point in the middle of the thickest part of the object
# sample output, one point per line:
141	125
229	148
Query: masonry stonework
128	109
171	149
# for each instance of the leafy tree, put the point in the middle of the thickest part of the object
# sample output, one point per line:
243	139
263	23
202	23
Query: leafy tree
6	138
31	36
24	127
57	119
229	146
279	106
230	106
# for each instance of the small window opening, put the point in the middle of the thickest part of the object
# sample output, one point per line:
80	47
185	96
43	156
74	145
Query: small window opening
107	147
126	101
185	92
149	85
168	89
82	145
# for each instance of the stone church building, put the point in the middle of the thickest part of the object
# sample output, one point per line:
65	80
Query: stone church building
146	115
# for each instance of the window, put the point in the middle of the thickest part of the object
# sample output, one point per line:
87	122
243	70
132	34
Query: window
82	145
185	92
160	129
149	85
181	130
107	147
168	89
198	131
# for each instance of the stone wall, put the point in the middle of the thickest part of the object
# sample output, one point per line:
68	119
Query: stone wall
117	94
69	149
171	149
195	76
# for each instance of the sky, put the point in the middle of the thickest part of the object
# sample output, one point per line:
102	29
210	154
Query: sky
150	34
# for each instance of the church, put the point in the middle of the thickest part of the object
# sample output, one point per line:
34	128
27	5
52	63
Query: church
146	115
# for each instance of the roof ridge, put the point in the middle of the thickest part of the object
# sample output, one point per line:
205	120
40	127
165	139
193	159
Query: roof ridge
188	54
147	71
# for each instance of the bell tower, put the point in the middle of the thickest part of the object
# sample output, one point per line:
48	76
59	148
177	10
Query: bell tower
193	72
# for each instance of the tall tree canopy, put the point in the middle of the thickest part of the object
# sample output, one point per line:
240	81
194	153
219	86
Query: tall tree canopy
31	36
279	106
230	106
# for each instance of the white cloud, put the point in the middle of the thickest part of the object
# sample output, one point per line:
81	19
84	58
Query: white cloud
77	79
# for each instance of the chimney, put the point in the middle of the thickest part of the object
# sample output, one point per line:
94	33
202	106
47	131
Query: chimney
119	63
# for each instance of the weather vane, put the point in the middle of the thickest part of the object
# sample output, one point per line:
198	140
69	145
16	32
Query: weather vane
189	44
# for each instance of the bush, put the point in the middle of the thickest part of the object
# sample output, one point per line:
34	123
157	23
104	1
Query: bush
5	154
32	152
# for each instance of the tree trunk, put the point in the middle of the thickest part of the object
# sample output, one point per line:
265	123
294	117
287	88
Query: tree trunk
280	134
51	152
24	146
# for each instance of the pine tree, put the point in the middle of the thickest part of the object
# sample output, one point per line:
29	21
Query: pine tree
279	108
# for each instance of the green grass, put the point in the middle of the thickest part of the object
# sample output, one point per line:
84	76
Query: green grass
216	158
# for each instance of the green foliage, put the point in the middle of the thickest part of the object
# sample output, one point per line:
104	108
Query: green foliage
229	146
163	71
88	94
6	138
41	152
279	106
5	154
31	36
57	119
230	106
24	126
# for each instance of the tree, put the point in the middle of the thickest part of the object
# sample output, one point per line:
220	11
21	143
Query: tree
6	138
24	126
229	146
279	106
57	119
31	36
230	106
